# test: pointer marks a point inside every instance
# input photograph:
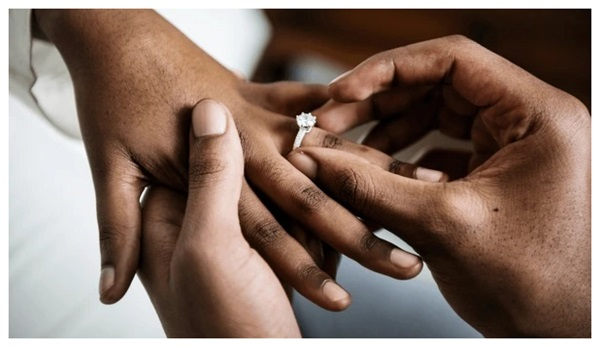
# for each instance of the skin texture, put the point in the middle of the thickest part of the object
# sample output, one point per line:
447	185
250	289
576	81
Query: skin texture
202	276
136	79
509	244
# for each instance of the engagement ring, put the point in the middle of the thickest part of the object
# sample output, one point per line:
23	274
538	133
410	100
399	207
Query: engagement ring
305	121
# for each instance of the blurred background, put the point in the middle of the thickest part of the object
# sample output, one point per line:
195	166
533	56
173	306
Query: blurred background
53	244
554	45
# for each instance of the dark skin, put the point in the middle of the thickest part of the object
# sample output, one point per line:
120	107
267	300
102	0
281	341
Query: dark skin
136	79
509	244
202	276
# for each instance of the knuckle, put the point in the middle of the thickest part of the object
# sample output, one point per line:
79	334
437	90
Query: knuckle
311	199
263	234
458	39
204	172
307	273
458	46
331	141
368	241
355	190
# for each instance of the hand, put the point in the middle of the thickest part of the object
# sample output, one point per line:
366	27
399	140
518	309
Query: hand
508	245
135	79
201	274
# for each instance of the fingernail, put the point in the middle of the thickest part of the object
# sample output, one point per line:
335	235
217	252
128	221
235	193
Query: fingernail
340	77
209	118
304	163
333	292
403	259
428	175
107	279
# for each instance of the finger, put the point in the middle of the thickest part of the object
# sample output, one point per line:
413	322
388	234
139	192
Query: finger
119	221
311	244
216	168
338	117
299	198
455	163
319	138
392	135
290	98
453	60
482	78
399	204
162	217
288	259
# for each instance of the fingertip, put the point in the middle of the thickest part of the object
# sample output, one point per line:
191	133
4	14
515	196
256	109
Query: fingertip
428	175
110	298
111	288
119	221
413	271
209	118
338	298
107	281
408	265
113	284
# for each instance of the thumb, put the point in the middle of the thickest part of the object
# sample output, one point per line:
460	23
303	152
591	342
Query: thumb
216	168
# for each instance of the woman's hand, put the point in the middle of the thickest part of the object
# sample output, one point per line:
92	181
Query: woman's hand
203	277
136	79
509	244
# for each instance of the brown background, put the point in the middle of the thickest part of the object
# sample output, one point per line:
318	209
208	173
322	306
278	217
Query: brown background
554	45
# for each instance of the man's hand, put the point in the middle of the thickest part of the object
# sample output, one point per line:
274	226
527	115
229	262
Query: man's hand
201	274
509	244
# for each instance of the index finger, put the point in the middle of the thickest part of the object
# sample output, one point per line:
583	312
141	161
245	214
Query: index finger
477	74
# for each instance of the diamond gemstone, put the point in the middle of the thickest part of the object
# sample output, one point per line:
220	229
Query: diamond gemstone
306	120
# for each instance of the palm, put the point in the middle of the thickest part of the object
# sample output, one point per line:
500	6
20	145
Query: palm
213	290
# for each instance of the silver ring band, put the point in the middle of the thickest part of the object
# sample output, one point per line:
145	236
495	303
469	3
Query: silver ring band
300	137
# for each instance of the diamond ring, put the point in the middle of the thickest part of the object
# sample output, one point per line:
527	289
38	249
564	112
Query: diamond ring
305	121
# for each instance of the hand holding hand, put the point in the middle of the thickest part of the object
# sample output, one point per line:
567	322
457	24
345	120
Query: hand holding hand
201	274
136	77
508	245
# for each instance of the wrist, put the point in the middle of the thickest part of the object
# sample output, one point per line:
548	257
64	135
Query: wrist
137	54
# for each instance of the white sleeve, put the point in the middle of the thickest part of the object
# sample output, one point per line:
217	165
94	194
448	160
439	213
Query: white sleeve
21	77
39	77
